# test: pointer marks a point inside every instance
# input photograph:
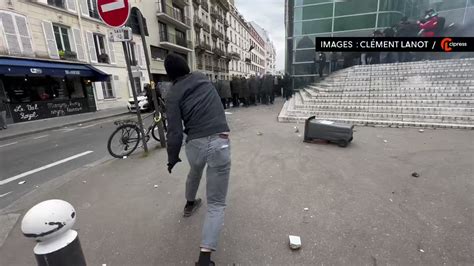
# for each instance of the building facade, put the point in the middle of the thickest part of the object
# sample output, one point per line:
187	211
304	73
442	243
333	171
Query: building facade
48	35
210	38
239	45
307	19
270	52
257	53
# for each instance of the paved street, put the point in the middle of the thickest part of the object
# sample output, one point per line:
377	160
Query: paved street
56	151
365	207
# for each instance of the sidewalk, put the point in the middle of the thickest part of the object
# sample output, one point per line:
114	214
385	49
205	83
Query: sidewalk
27	128
365	208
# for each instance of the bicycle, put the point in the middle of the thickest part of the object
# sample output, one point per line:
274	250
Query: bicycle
125	139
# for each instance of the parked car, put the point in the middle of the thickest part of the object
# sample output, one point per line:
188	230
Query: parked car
142	104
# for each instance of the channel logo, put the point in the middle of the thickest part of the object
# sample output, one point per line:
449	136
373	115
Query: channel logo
445	44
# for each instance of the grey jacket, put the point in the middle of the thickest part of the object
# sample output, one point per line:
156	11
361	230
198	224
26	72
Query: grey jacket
194	102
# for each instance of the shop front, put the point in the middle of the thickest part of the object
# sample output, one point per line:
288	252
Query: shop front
37	89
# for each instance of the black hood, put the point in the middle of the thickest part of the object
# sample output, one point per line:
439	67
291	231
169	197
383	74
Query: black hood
176	66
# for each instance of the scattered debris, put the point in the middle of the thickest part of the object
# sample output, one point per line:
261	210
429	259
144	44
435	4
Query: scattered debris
169	193
228	113
306	209
421	130
421	250
124	157
391	200
21	182
297	130
259	133
311	216
80	125
84	181
295	242
37	186
415	174
299	135
385	141
156	186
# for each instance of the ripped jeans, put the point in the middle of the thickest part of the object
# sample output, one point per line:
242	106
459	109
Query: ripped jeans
213	151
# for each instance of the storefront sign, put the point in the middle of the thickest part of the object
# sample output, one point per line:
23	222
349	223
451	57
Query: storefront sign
36	71
73	72
41	110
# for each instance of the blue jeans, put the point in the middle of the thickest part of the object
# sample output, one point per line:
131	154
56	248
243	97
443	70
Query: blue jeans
213	151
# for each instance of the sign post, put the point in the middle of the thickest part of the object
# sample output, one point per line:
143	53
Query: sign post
115	13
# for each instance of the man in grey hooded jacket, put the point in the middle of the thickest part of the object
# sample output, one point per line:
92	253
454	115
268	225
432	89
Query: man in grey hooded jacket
194	102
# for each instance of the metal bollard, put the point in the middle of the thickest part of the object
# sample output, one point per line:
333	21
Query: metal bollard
49	223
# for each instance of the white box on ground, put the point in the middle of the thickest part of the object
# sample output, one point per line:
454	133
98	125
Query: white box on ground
295	242
123	34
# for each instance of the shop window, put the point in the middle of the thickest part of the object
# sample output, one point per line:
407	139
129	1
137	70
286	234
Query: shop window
93	11
310	2
313	12
61	34
108	89
310	27
354	22
158	53
388	19
100	48
56	3
355	7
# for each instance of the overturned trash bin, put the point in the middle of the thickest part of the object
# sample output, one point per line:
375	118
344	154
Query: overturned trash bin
49	223
335	132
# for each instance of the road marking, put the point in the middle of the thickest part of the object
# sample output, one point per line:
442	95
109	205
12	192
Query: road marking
117	4
40	137
3	195
9	144
13	178
93	125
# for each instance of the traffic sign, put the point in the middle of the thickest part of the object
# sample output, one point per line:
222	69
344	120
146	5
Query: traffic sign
114	13
123	34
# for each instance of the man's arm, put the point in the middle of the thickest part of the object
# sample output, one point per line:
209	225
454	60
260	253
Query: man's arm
175	131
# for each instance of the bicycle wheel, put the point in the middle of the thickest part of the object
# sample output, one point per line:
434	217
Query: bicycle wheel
154	132
123	141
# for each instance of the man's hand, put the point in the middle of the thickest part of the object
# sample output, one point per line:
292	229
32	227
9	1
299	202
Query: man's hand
171	165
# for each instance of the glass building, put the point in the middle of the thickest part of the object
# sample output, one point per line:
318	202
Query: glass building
307	19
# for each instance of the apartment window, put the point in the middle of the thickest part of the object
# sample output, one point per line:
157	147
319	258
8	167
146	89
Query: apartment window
163	31
99	43
57	3
158	53
61	35
108	89
93	13
178	13
180	38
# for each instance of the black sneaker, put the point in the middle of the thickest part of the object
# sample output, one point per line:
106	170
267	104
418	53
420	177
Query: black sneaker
210	264
191	209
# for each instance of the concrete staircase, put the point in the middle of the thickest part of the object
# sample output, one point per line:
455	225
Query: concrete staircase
438	94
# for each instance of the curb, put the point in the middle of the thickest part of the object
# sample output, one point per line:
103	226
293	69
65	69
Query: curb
31	132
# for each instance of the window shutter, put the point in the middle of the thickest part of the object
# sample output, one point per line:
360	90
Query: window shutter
111	51
90	43
50	40
10	33
25	37
79	44
98	90
114	81
71	5
84	7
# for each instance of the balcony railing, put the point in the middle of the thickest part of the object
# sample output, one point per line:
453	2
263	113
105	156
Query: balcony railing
206	27
171	38
197	22
218	52
235	55
217	33
169	10
205	5
227	40
226	23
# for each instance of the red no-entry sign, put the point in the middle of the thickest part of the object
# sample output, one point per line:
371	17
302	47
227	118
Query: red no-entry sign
114	13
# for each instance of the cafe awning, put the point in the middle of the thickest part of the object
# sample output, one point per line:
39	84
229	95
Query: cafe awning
30	67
